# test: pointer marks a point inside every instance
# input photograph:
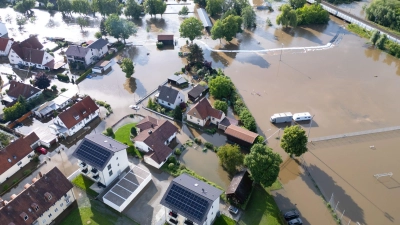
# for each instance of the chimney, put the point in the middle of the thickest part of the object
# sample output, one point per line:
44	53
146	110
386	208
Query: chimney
40	174
202	190
34	180
13	196
26	186
150	131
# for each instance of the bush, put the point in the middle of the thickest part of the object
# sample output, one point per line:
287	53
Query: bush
26	172
160	45
313	14
178	152
182	167
171	166
54	88
172	159
62	77
209	145
63	90
83	76
198	141
131	115
134	131
109	132
5	187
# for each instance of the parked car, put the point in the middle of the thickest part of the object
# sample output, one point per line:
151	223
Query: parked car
233	210
135	107
293	214
41	150
296	221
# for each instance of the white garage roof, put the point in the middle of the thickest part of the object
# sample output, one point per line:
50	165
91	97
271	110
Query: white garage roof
122	193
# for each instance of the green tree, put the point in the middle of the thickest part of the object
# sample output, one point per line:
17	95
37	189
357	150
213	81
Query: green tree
178	113
106	7
239	5
201	3
312	14
191	28
296	4
109	132
134	131
264	164
24	6
161	6
196	54
81	7
375	36
42	82
294	141
50	6
14	112
381	42
133	9
150	103
229	12
184	11
221	105
248	120
113	26
82	22
64	6
21	20
127	67
221	87
98	35
231	26
385	13
154	7
230	157
217	31
214	7
249	17
287	17
128	28
54	88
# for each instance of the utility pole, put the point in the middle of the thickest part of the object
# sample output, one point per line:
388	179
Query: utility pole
280	57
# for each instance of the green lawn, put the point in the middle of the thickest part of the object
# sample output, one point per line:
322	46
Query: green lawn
275	186
123	134
84	183
96	214
224	220
261	209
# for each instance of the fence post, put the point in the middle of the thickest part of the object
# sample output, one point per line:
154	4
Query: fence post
342	214
336	205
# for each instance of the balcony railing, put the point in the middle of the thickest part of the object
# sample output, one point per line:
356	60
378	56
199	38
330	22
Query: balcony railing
188	222
82	165
85	171
94	171
96	178
172	221
173	214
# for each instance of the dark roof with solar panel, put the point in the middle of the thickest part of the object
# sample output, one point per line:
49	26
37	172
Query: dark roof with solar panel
97	150
190	197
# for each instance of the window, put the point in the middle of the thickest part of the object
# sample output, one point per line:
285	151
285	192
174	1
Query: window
213	118
44	221
198	120
191	117
50	215
110	173
67	200
117	158
61	205
56	210
19	163
109	167
26	217
169	104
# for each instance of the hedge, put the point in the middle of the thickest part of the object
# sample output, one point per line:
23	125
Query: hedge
62	77
83	76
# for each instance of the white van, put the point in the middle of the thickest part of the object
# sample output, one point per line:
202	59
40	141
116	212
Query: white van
301	116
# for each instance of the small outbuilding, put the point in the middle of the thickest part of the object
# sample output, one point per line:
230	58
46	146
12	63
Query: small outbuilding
166	39
178	81
226	122
101	66
197	92
240	187
204	18
240	135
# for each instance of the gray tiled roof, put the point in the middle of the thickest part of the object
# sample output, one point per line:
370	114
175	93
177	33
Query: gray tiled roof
78	51
167	94
98	44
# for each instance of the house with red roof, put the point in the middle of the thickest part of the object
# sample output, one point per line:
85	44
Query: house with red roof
203	114
29	53
74	118
5	46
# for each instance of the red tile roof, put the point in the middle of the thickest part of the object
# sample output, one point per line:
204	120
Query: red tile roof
147	123
32	42
241	133
17	88
203	109
53	183
29	50
3	43
19	148
80	110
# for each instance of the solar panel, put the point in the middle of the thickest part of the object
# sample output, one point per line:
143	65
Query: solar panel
93	154
187	202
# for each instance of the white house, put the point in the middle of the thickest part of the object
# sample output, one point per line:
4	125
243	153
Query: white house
40	202
16	89
75	117
101	158
100	47
5	46
3	30
203	113
191	201
153	138
30	53
87	55
170	97
16	155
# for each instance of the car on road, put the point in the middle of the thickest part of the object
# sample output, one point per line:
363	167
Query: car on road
41	150
233	210
296	221
135	107
293	214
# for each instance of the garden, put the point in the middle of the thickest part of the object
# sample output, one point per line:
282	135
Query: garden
124	135
84	183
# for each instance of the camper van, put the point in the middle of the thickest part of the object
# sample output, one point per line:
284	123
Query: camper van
281	117
301	116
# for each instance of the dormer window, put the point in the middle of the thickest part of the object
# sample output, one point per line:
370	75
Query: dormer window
76	117
14	156
31	92
35	206
84	111
9	160
47	195
24	216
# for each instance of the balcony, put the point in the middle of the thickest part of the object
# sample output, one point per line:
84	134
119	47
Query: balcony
94	171
82	165
85	171
188	222
96	177
173	214
172	221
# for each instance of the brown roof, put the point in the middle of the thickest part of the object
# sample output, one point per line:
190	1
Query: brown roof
147	123
16	151
32	42
165	37
240	186
53	183
203	109
155	140
17	88
80	110
241	133
28	54
228	121
3	43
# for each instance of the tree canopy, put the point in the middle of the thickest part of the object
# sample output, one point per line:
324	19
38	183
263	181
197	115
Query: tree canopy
196	54
23	6
81	7
82	22
119	27
287	17
184	11
191	28
221	105
221	87
107	7
385	13
154	7
214	7
64	6
312	14
178	113
21	20
249	17
248	120
227	28
133	9
239	5
264	164
296	4
127	67
217	31
381	41
14	112
375	36
294	140
42	82
230	157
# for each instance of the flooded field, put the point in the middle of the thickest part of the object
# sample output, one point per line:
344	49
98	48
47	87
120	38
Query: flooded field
356	8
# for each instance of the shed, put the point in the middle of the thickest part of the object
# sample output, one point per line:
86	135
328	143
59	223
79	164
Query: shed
101	66
45	110
226	122
240	187
166	39
240	135
178	81
197	92
204	18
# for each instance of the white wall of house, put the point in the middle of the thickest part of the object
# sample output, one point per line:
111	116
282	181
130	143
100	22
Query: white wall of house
102	51
153	163
55	210
46	58
141	146
196	120
35	95
118	163
179	98
14	58
212	213
78	126
11	171
170	139
8	48
217	121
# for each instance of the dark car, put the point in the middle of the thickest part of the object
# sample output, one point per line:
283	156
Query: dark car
296	221
41	150
233	210
293	214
